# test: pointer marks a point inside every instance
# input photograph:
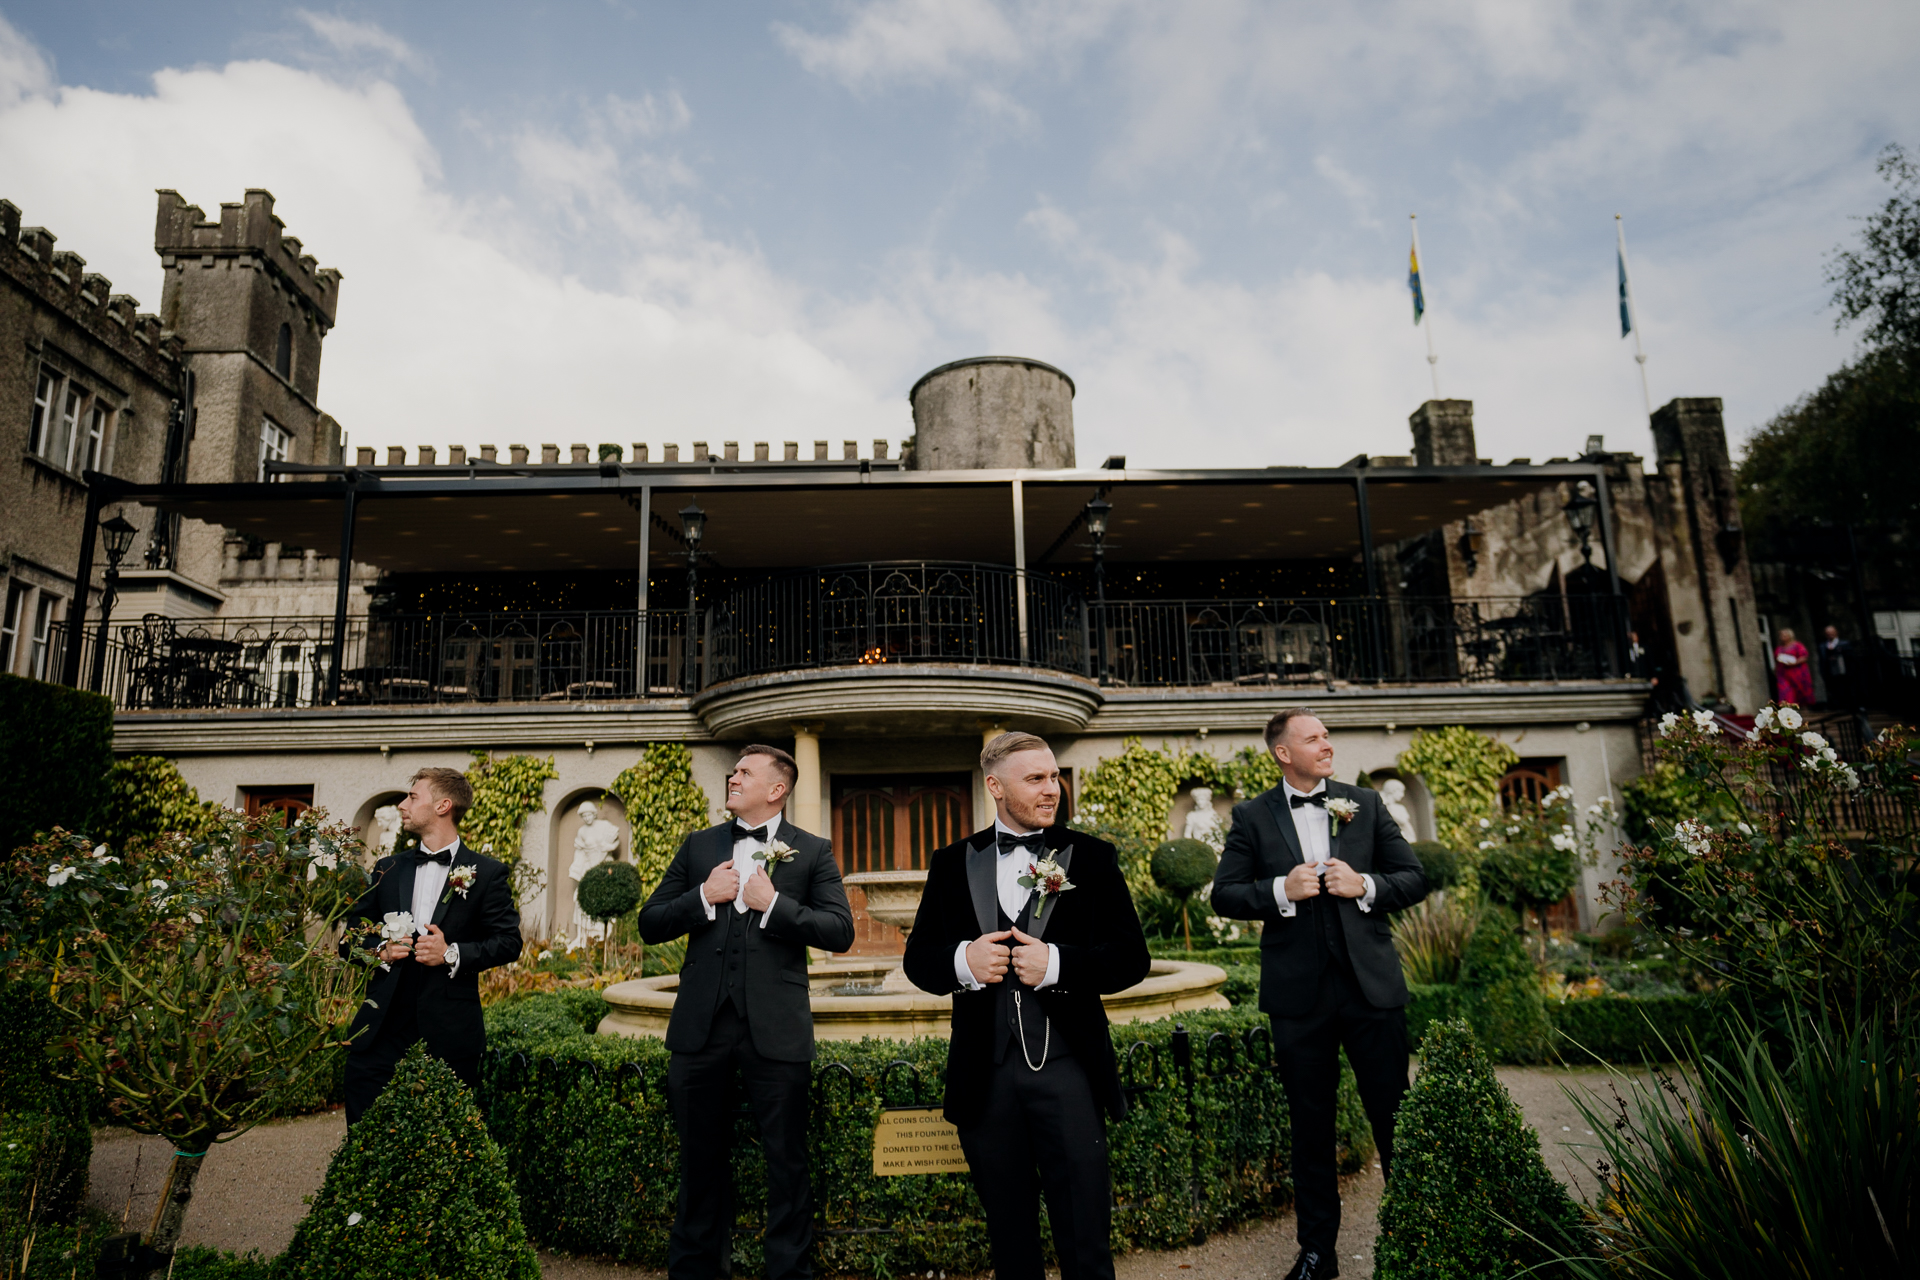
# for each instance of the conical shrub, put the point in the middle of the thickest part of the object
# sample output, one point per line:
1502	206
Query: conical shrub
417	1189
1470	1195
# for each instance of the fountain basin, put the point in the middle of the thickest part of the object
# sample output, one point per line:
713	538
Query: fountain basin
849	1005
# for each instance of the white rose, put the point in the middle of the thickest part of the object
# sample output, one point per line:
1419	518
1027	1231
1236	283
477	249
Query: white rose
1667	722
1790	719
1704	718
1763	718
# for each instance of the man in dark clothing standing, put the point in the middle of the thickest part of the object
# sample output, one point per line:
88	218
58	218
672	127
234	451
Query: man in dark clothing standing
1027	926
1836	668
463	921
751	895
1321	864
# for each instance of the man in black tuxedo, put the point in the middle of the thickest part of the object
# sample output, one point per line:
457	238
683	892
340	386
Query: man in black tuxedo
751	894
1030	1067
1322	865
465	921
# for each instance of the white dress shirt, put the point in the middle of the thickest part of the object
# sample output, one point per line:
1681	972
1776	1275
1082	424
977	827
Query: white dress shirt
1012	864
743	851
1314	825
429	882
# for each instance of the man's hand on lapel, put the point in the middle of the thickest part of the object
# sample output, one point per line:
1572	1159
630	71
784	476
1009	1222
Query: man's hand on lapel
431	947
1030	959
759	890
1303	882
988	955
1342	881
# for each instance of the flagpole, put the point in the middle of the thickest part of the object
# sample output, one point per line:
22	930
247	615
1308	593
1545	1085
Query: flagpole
1433	360
1633	315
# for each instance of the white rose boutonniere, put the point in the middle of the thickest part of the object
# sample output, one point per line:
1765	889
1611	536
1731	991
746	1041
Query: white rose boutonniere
1047	878
1341	812
775	854
459	880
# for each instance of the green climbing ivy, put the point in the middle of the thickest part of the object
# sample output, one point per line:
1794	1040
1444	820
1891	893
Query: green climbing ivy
1127	799
664	805
146	796
1462	771
507	790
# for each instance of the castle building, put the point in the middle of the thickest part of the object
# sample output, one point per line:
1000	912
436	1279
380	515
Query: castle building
301	628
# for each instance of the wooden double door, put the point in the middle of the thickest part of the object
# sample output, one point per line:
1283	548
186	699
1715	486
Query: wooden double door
894	822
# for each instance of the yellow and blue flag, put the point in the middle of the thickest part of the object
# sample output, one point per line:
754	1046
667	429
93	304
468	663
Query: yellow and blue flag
1413	283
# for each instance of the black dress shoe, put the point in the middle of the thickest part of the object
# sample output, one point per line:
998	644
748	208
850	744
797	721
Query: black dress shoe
1313	1266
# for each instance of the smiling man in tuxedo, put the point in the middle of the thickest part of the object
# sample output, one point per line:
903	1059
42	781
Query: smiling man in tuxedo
1030	1067
750	895
464	921
1321	864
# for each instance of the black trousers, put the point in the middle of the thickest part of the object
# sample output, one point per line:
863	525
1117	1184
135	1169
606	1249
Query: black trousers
1307	1050
1042	1131
370	1069
700	1088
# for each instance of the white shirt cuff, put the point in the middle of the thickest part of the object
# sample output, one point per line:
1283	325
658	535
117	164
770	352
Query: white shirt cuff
706	904
768	911
1366	899
453	959
961	971
1280	899
1053	967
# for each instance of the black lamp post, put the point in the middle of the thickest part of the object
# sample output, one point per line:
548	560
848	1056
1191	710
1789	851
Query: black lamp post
695	522
1581	509
118	535
1097	512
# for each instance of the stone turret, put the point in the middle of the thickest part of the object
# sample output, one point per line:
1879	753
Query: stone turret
992	413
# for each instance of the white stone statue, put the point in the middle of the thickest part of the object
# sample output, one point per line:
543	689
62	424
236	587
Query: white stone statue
1393	793
595	842
1203	824
386	830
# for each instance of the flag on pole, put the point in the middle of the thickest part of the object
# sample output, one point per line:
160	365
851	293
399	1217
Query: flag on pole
1413	282
1626	309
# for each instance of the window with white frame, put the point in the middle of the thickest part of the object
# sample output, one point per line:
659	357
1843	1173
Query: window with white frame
42	640
70	422
275	443
10	626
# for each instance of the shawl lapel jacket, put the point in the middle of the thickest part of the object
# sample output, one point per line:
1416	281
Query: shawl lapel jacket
1263	846
1102	950
811	911
483	921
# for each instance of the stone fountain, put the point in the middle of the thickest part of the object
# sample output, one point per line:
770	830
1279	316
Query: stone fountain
858	996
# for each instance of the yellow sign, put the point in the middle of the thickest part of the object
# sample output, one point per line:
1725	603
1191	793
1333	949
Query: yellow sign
915	1140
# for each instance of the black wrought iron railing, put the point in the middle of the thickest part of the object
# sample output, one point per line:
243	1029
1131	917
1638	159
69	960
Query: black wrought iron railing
874	614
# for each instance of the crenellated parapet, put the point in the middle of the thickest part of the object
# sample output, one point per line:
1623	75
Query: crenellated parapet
247	229
641	454
59	278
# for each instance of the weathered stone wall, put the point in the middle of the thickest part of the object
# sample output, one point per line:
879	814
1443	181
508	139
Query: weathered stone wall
992	413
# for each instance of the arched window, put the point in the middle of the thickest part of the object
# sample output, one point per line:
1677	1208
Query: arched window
283	352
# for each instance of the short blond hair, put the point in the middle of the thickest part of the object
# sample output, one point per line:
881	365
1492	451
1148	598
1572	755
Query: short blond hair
448	784
1007	744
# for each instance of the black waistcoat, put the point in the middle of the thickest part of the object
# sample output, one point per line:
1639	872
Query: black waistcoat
1013	1017
733	983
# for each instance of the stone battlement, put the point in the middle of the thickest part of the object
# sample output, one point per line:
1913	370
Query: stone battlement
60	278
580	455
181	232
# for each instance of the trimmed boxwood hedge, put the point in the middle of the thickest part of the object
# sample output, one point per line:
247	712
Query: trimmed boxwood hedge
584	1123
1623	1030
56	745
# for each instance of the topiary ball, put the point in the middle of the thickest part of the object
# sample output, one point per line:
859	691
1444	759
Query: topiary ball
609	890
1183	867
1441	864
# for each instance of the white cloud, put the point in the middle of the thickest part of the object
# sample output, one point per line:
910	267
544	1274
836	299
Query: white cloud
357	38
454	324
24	70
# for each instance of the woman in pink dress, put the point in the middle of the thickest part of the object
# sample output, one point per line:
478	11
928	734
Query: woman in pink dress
1792	678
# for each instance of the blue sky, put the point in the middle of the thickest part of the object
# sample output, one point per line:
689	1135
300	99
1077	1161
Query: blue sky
761	222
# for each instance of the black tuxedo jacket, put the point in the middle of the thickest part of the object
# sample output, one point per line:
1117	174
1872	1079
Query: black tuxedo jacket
1263	846
483	921
811	911
1102	950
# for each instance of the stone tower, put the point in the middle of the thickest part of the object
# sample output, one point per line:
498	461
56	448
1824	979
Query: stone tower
251	312
992	413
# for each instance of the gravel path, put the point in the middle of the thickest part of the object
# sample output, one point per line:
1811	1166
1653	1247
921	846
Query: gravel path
253	1190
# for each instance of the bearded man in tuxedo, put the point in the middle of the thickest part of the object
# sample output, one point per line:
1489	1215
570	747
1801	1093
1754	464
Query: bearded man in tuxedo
750	896
1027	926
1321	865
465	920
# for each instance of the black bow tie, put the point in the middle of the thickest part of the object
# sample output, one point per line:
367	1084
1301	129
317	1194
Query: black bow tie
748	833
1034	842
1318	797
444	857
